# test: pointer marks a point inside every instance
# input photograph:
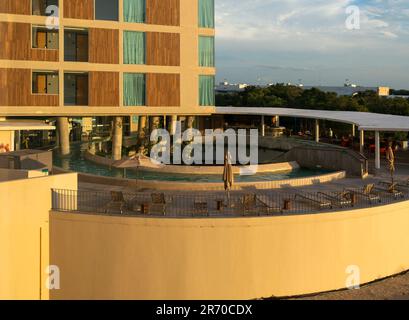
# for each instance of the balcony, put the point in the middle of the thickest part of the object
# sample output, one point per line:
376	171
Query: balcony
45	82
76	89
43	38
76	45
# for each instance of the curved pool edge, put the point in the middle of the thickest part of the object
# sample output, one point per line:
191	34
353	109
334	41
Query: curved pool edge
209	186
198	170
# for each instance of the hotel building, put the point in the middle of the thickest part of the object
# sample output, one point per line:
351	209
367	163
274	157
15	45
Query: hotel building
86	58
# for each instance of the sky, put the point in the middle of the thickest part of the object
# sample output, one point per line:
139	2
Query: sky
269	41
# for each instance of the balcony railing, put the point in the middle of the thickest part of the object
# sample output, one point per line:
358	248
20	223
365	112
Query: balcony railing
211	204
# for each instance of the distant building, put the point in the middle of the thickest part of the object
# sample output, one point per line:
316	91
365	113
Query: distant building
226	87
383	91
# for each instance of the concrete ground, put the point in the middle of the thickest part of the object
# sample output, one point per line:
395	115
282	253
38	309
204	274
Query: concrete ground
393	288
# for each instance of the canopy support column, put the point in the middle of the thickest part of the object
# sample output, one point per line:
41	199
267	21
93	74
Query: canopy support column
173	125
377	150
361	141
317	130
117	138
263	126
353	130
63	135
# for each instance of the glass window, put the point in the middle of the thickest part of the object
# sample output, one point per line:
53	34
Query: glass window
76	45
134	89
43	7
45	82
206	91
44	38
206	51
134	47
76	89
206	13
134	11
106	10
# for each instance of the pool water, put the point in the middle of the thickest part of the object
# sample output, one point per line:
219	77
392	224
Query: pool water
76	162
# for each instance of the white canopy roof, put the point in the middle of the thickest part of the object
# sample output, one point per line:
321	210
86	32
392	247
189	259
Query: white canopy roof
364	120
11	125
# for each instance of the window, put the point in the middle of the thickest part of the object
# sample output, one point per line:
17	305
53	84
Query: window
76	45
44	38
76	89
134	47
206	13
45	82
134	89
206	51
206	91
43	7
134	11
106	10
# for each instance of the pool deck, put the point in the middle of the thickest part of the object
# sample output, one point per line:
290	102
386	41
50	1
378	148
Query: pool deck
402	173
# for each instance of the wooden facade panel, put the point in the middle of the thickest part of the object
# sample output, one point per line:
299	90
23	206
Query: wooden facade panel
79	9
162	49
103	89
163	12
15	39
44	55
15	7
15	88
103	46
162	90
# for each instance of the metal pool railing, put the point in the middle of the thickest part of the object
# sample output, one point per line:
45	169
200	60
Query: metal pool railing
252	203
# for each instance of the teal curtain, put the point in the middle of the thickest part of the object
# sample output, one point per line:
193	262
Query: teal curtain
134	89
134	11
206	91
206	13
206	51
134	47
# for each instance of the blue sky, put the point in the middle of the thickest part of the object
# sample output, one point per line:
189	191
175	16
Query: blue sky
263	41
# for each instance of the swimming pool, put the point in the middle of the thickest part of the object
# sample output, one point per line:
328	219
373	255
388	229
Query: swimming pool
77	162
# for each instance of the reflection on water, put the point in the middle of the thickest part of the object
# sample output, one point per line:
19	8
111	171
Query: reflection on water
76	162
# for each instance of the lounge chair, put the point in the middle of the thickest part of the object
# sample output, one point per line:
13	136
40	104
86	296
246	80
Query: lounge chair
117	202
340	199
249	203
158	203
258	204
368	192
201	208
268	205
391	188
400	184
321	204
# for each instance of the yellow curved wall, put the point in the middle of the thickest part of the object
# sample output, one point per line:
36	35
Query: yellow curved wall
243	258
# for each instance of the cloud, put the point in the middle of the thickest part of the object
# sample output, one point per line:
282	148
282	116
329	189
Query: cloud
311	36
